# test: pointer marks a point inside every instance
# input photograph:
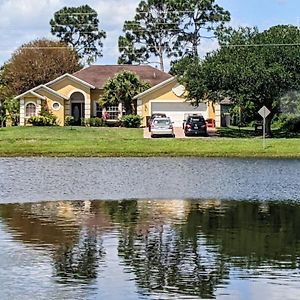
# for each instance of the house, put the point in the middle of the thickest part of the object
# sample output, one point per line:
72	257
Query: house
78	95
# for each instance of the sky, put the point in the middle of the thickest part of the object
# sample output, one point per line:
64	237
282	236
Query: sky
25	20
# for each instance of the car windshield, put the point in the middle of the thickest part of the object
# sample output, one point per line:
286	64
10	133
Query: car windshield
158	116
161	122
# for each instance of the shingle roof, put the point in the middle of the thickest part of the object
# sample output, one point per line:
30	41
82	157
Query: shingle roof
97	75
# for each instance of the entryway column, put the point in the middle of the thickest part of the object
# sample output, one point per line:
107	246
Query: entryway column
22	112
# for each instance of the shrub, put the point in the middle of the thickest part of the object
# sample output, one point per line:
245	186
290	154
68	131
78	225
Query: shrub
93	122
42	120
131	121
69	121
292	124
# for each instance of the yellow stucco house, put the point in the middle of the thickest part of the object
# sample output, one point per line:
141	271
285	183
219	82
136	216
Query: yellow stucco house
78	95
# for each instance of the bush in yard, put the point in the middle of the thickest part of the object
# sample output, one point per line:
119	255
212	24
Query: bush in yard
131	121
42	120
69	121
292	124
93	122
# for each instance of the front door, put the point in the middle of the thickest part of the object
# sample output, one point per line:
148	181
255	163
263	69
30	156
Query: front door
77	113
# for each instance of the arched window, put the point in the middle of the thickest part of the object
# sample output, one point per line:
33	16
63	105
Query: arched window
30	110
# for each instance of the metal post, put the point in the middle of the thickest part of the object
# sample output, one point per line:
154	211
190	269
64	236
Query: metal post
264	133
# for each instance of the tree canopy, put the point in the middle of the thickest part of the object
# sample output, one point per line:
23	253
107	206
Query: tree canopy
252	68
121	89
35	63
79	27
169	29
197	20
149	34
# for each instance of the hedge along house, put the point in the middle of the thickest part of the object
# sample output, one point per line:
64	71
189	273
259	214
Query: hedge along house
78	96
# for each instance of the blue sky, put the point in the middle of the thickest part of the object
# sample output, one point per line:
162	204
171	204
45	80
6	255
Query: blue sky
24	20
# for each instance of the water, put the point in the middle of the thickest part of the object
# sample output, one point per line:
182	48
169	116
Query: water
228	238
140	249
33	179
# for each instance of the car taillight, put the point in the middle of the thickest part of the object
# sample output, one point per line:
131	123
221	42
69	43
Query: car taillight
152	125
203	126
170	126
188	126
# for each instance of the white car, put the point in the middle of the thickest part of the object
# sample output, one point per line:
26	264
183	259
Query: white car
162	127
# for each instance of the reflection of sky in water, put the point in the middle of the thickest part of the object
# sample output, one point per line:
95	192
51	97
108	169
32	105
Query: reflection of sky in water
174	249
27	273
261	288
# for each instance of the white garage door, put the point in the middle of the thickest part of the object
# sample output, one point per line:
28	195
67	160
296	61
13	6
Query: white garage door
177	110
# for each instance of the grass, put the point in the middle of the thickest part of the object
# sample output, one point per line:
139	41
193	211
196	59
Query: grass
115	142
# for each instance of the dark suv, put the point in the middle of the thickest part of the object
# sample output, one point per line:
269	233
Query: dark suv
153	116
195	125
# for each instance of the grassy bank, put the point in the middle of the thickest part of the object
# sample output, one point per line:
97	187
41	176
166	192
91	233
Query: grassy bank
80	141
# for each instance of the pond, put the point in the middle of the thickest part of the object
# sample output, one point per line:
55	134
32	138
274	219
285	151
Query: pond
188	229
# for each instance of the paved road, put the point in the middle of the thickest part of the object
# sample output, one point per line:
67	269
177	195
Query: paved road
179	134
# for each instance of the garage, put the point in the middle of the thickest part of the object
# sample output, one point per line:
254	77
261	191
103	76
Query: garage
178	110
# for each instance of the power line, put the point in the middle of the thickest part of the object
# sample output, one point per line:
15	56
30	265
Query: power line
260	45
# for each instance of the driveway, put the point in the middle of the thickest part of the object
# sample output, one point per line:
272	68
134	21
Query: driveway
179	134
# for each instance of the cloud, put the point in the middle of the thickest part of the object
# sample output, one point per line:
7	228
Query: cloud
25	20
281	2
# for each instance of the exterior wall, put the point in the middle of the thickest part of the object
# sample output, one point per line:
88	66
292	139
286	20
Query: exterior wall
67	87
211	110
23	102
218	114
164	93
95	96
50	99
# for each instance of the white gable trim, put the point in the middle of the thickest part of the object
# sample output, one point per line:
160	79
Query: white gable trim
156	87
32	93
50	91
67	75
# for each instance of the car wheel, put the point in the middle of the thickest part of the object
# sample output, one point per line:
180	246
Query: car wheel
153	135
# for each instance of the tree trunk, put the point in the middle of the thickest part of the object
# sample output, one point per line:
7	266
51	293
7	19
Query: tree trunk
268	124
161	62
195	48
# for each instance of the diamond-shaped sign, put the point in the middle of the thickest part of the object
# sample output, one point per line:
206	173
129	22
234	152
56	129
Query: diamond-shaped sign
264	112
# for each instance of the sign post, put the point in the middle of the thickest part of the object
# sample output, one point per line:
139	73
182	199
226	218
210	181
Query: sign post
264	112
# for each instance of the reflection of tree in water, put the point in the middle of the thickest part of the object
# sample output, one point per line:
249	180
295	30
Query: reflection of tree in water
57	226
81	260
190	254
253	233
168	257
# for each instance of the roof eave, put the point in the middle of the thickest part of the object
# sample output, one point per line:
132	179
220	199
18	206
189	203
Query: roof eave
51	91
32	93
72	77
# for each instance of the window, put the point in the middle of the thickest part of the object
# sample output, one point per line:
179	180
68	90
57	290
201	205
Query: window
56	106
113	112
98	110
30	110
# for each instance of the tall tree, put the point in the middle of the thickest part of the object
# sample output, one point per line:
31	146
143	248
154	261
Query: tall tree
36	63
149	35
252	68
79	28
197	20
169	29
121	89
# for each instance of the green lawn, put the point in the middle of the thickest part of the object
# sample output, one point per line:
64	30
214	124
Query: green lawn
80	141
